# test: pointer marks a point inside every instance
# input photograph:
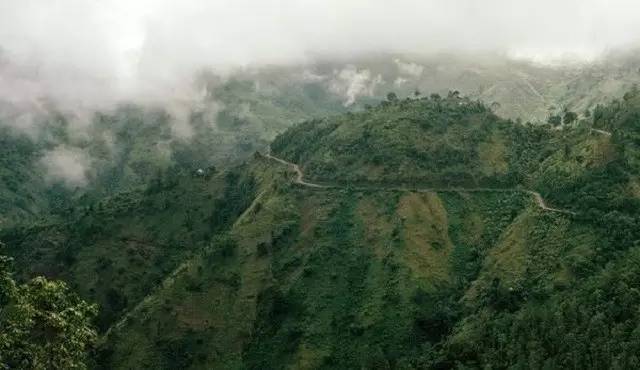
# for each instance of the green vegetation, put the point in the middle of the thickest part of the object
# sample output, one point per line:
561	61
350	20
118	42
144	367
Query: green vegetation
331	279
246	269
43	325
116	251
131	145
545	282
23	191
436	142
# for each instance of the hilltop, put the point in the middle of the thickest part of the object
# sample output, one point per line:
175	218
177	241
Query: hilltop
450	141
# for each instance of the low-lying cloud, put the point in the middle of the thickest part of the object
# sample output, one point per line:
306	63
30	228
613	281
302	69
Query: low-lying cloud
409	68
352	83
69	166
88	53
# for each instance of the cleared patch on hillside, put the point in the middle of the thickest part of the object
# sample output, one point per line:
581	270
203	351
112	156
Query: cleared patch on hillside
425	233
492	155
598	151
633	187
507	261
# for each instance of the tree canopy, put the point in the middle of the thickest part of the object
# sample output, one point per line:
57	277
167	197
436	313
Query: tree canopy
43	324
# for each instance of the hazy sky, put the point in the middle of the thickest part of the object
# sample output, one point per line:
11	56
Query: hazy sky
78	46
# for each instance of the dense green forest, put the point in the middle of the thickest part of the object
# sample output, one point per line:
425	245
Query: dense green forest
428	250
44	324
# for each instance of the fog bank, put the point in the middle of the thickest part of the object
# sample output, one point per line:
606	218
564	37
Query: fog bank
92	53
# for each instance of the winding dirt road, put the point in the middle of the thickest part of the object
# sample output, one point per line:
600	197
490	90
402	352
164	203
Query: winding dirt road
543	205
603	132
299	175
299	179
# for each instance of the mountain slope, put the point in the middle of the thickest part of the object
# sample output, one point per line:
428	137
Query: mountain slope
334	273
383	267
116	251
350	276
22	191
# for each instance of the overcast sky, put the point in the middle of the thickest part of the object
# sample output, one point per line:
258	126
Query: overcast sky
115	44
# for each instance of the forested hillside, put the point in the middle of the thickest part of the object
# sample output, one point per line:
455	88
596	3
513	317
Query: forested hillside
434	141
554	289
394	269
285	184
419	233
117	250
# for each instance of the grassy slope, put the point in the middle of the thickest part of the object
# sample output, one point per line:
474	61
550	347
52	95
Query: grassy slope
343	278
331	278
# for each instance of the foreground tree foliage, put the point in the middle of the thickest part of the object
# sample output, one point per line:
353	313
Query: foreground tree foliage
43	325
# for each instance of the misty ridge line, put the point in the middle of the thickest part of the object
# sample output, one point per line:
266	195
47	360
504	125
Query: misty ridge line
28	99
70	163
31	113
151	52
